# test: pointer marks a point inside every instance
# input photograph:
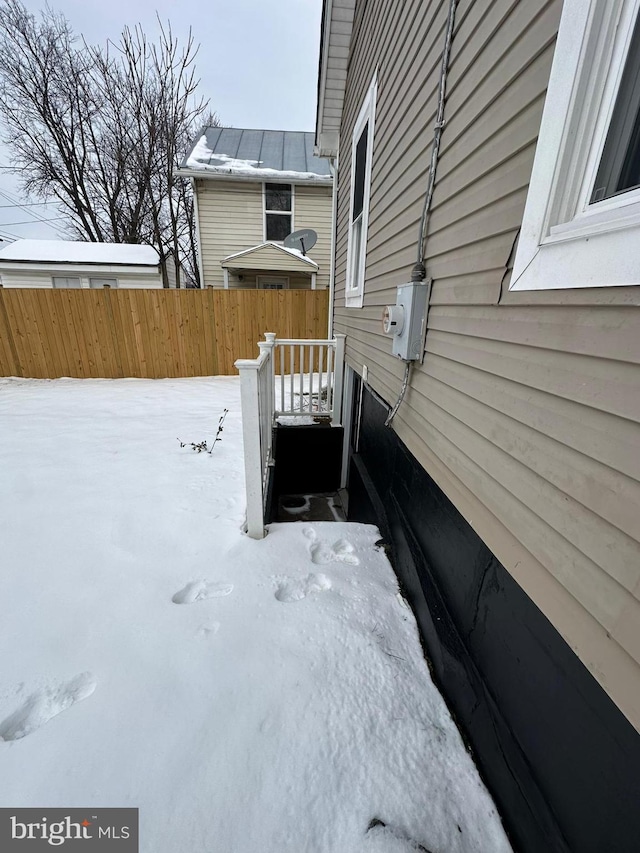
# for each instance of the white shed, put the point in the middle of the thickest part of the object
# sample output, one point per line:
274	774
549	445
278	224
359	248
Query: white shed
69	263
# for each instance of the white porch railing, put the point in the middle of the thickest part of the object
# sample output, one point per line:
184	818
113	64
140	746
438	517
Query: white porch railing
289	379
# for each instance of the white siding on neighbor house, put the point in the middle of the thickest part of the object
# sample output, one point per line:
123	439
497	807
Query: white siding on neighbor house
126	278
231	215
526	410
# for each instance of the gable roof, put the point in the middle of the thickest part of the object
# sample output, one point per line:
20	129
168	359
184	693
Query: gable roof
289	259
335	38
232	152
79	252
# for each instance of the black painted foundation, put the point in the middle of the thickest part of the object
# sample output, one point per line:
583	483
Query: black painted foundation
560	759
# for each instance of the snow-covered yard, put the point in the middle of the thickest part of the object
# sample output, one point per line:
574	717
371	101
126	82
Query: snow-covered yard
248	697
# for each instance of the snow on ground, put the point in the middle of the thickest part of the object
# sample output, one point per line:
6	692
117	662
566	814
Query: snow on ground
247	696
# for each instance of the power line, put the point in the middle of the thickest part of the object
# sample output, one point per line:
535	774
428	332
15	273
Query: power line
29	204
35	215
31	221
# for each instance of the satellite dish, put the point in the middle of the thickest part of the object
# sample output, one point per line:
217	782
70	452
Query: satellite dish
302	240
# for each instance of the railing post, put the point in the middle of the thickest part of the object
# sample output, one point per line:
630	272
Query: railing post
338	368
268	345
253	468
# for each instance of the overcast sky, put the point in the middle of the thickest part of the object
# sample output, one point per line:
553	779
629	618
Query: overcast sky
257	64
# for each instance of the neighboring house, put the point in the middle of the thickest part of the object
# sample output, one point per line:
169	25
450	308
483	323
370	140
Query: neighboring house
68	263
508	488
174	271
252	189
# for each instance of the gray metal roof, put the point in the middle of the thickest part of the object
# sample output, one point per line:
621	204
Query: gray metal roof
284	150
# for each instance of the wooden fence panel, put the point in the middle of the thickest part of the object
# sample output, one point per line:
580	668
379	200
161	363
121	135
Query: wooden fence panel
109	333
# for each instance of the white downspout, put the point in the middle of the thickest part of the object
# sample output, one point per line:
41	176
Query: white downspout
198	237
333	166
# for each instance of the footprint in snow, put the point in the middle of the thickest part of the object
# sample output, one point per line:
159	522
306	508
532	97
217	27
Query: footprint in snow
200	591
291	589
209	629
45	704
378	830
342	551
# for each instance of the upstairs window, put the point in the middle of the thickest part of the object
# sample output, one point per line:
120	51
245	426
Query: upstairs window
278	211
361	162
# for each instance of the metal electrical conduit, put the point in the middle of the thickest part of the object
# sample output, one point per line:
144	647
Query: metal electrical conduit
418	273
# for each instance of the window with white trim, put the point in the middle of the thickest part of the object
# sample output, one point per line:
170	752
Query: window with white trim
61	281
581	225
271	282
278	211
103	282
361	162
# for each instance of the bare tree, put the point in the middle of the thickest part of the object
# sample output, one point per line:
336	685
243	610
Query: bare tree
101	129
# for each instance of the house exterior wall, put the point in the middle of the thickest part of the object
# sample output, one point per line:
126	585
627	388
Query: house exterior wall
523	411
313	210
524	417
231	220
39	276
249	279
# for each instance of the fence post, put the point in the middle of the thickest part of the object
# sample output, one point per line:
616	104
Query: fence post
253	473
338	368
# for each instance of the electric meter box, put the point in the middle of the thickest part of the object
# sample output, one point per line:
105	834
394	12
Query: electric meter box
406	320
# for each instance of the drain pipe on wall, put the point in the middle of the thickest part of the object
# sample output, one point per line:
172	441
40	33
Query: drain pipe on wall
333	167
419	272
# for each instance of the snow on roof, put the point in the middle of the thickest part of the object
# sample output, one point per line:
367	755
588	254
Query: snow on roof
295	252
76	251
278	154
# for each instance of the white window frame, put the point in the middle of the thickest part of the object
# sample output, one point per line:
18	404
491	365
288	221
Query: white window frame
354	290
113	284
279	212
66	278
565	242
261	280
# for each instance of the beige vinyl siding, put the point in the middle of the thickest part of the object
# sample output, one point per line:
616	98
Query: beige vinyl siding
526	410
270	258
313	210
232	219
38	278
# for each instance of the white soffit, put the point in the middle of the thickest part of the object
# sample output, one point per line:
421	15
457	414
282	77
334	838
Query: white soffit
337	23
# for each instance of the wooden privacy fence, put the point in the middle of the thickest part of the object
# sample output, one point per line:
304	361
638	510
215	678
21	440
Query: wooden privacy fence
155	334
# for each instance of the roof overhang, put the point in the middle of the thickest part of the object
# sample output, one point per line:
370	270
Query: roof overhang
280	257
229	175
79	267
335	38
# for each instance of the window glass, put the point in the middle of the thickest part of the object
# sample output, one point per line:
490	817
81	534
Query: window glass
360	172
278	226
59	281
277	196
619	169
265	283
103	282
